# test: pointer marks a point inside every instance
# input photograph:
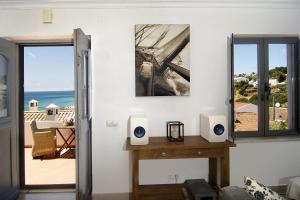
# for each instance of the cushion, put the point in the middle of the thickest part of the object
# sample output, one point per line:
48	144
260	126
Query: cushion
259	191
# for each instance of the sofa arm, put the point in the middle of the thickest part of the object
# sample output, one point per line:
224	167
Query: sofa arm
234	193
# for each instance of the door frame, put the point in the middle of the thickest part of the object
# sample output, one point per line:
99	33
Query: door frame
22	42
11	178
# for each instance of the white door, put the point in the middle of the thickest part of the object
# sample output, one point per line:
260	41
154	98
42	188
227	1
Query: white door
9	176
83	117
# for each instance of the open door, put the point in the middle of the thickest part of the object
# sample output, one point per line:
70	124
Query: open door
83	116
9	184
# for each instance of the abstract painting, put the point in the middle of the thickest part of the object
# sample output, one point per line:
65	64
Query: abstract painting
162	60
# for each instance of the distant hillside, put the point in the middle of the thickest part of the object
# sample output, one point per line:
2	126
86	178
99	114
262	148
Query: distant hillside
245	91
279	73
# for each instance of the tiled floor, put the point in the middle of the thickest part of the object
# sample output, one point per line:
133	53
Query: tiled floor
52	171
66	195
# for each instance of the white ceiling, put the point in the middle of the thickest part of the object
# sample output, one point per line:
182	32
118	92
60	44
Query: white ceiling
147	3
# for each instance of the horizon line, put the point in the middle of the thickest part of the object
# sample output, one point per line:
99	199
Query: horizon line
49	90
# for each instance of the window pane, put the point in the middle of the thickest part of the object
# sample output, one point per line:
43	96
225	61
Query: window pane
245	88
3	86
279	86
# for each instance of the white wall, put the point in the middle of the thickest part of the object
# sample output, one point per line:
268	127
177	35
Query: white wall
112	32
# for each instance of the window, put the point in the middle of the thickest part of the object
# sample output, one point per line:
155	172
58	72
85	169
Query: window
3	86
265	86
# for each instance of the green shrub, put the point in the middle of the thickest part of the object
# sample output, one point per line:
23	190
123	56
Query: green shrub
238	86
253	99
279	97
283	88
242	90
274	73
252	76
278	126
281	78
242	100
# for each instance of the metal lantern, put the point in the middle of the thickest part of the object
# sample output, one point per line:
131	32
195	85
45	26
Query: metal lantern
175	131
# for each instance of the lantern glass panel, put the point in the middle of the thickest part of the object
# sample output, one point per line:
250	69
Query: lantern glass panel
175	131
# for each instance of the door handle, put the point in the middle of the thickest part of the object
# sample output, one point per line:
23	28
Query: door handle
85	83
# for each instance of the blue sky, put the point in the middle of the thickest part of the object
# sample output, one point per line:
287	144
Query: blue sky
245	57
49	68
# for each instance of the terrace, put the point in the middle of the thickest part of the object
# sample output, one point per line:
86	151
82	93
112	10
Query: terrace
44	171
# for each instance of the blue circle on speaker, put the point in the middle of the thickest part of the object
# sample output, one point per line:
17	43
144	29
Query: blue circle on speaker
219	129
139	132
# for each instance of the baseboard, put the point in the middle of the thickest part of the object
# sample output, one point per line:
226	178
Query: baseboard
112	196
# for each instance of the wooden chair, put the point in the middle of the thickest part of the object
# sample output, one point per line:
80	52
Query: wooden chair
44	141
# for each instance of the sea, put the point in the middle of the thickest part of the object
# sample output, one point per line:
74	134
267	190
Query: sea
63	99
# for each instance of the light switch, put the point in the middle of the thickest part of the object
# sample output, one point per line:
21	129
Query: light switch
111	123
47	15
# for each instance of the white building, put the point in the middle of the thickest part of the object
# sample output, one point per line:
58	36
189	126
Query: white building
273	82
33	105
254	83
51	112
240	79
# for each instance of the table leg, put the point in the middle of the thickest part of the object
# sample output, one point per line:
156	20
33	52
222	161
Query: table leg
66	144
212	174
69	143
74	136
65	141
72	140
225	172
135	174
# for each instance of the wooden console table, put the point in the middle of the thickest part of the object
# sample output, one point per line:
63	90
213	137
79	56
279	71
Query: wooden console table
192	147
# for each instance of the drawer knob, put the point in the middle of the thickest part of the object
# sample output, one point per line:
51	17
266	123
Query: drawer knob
164	154
199	153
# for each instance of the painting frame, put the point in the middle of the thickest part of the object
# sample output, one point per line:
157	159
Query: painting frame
162	60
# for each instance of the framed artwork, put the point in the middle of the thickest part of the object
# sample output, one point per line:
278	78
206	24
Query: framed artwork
3	87
162	59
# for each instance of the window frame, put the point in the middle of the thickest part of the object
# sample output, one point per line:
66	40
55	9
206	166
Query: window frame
263	80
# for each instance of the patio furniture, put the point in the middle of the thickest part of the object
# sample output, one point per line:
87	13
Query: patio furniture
67	145
44	141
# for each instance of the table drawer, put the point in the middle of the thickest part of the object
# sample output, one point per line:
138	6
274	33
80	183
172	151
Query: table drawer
180	153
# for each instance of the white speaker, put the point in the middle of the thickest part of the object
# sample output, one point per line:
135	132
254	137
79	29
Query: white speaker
139	132
214	128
